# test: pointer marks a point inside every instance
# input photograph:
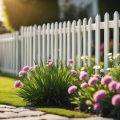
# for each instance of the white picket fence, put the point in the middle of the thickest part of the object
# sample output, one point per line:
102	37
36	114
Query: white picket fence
59	41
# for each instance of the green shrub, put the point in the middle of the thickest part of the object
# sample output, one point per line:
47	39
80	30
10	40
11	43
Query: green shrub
46	85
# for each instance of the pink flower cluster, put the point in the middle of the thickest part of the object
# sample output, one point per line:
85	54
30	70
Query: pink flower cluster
106	80
84	85
99	95
24	70
92	81
116	100
73	72
72	89
50	63
84	75
17	84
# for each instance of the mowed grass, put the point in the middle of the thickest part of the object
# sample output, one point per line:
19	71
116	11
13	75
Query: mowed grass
64	112
8	94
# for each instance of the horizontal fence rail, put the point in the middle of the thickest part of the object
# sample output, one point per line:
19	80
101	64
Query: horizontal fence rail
60	41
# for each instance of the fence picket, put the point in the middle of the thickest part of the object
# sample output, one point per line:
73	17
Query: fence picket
97	41
39	45
79	41
106	41
68	40
60	42
48	41
116	35
73	43
89	41
64	43
52	42
56	43
34	44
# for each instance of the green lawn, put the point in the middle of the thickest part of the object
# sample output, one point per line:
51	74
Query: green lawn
8	95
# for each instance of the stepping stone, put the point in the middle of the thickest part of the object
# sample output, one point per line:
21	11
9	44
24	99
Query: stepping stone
53	117
29	113
7	115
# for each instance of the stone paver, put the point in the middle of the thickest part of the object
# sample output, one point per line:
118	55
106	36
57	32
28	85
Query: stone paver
28	113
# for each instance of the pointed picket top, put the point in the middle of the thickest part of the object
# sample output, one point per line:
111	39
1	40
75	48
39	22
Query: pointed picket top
97	18
52	26
116	15
48	26
35	27
43	26
79	22
73	23
39	27
106	16
60	24
90	20
64	24
68	24
85	21
56	25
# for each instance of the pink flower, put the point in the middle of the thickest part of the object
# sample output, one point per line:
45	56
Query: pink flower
26	68
106	80
84	85
116	100
92	81
118	87
31	69
112	85
70	61
96	107
17	84
49	60
50	64
97	76
21	73
72	89
88	102
99	95
73	72
84	75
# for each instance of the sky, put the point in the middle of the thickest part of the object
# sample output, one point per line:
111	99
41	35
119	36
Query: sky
1	18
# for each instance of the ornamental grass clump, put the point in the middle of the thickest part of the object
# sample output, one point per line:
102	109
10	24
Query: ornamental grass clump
45	85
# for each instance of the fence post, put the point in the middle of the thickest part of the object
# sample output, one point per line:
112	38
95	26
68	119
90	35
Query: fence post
89	41
116	36
64	43
56	43
43	44
106	41
84	41
60	42
39	45
68	40
48	41
79	42
34	45
52	42
73	44
97	41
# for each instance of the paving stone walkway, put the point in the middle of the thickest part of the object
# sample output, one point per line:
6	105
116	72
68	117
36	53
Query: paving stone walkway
22	113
